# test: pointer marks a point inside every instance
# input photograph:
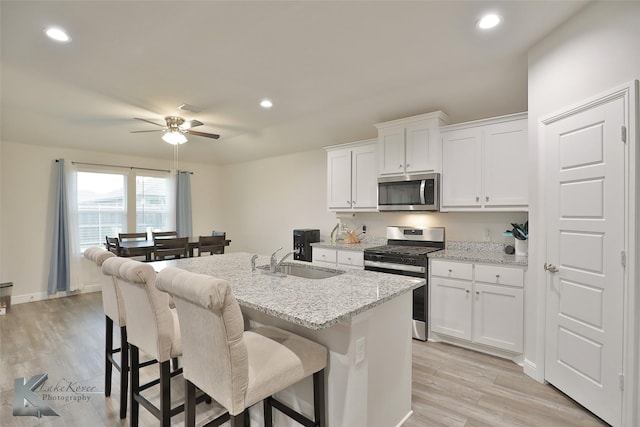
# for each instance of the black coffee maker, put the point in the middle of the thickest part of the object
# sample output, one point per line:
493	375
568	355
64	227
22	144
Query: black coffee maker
302	240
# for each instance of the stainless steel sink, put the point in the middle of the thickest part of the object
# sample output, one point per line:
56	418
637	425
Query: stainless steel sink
307	272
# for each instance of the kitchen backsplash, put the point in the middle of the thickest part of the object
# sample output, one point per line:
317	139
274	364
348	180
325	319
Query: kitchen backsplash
486	227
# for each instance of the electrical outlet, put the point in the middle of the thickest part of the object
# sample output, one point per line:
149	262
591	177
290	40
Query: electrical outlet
360	350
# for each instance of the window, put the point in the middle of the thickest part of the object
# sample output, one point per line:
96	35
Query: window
153	209
102	207
103	199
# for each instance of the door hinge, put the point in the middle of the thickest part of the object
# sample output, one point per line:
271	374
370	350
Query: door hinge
623	258
624	134
621	378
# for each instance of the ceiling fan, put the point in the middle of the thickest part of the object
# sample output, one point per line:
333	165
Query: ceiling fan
176	128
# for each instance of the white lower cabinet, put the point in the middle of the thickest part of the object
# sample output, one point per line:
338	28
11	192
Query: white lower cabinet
339	257
478	303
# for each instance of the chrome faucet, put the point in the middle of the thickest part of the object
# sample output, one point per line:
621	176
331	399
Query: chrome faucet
253	262
274	263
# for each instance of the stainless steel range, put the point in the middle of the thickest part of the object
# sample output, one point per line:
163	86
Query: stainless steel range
406	254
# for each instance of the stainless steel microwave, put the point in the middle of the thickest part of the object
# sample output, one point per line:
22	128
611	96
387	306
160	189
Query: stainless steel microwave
409	192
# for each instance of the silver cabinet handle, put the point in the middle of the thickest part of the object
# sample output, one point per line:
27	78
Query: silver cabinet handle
550	268
477	292
400	167
477	199
487	198
353	201
467	290
497	276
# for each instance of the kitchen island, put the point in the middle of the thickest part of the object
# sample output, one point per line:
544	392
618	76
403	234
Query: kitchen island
362	317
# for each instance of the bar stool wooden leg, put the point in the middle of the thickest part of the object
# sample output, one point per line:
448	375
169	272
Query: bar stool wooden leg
135	384
165	394
124	372
268	412
108	346
318	399
189	404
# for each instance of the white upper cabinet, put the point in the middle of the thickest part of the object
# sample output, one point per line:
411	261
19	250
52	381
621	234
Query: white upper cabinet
410	145
484	165
352	171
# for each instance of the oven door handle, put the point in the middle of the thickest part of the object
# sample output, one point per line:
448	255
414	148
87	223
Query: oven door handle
391	266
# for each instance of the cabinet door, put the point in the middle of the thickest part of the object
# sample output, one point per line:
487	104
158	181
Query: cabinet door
498	316
461	168
505	164
351	258
364	178
391	150
339	178
450	307
422	149
324	255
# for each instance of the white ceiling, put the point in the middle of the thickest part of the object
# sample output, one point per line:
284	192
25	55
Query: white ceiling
332	69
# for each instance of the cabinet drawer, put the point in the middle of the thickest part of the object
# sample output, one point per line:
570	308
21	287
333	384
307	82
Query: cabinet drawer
453	270
500	275
355	258
324	255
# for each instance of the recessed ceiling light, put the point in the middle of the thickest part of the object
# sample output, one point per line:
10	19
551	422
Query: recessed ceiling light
488	21
57	34
265	103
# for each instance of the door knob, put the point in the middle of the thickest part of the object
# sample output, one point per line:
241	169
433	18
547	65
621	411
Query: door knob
550	268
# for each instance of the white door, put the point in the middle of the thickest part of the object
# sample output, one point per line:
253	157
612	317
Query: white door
585	238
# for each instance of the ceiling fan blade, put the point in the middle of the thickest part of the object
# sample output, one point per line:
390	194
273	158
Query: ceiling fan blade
191	124
149	121
206	135
142	131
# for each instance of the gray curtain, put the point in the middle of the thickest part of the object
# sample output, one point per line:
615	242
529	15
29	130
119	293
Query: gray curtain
183	204
59	267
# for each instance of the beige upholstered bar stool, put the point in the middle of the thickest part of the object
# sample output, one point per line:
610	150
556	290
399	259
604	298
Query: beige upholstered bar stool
238	368
113	307
152	326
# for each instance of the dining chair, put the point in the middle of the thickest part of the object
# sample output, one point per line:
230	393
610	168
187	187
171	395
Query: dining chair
153	327
176	247
114	312
238	368
132	252
113	245
211	244
163	234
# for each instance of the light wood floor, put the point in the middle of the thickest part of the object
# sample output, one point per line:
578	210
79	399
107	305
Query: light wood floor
64	338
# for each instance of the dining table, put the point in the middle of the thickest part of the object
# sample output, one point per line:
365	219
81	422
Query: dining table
147	247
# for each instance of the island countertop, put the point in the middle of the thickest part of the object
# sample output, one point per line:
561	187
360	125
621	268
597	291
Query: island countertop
313	303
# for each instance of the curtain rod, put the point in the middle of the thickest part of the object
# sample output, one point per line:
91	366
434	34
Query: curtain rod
125	167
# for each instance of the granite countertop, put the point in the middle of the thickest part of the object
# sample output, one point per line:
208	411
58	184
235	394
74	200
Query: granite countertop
491	253
313	303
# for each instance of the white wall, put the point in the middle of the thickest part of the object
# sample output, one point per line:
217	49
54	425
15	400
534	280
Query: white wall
593	52
265	200
26	178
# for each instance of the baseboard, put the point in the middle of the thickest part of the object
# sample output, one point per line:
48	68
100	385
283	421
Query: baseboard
406	417
41	296
530	369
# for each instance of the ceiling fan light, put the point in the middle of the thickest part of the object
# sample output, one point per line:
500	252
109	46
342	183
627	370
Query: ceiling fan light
174	137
